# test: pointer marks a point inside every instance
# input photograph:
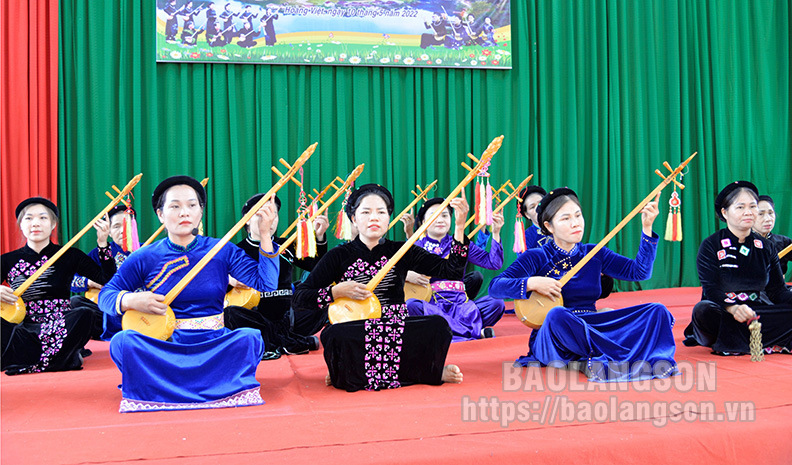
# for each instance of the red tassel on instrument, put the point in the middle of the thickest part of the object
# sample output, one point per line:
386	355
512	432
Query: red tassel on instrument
673	231
339	223
129	241
302	239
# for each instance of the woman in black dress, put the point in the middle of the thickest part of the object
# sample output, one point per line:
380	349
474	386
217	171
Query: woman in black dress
735	265
52	333
394	350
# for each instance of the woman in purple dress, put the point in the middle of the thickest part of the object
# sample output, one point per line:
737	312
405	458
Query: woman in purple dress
468	319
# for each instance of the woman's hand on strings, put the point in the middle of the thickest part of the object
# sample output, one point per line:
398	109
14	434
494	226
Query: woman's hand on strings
351	290
146	302
236	284
102	227
408	219
649	214
266	216
548	287
321	224
461	208
497	225
7	295
417	278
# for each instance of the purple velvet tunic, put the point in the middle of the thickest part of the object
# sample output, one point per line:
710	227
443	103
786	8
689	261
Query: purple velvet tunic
465	317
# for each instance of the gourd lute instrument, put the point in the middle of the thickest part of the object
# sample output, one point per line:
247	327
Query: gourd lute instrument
532	311
344	309
15	313
162	326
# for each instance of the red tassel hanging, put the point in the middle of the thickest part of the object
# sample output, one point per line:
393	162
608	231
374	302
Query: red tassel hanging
129	238
483	207
339	224
343	227
306	236
519	235
673	231
302	239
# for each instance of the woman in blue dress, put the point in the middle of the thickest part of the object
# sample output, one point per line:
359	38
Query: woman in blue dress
204	364
618	345
468	319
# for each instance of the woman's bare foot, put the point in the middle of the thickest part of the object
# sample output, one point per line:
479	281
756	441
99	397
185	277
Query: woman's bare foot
452	374
328	382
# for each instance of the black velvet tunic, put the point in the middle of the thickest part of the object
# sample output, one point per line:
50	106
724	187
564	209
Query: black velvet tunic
50	336
734	273
394	350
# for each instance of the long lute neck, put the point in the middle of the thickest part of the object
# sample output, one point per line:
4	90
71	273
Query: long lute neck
579	265
28	282
174	292
786	250
485	158
349	180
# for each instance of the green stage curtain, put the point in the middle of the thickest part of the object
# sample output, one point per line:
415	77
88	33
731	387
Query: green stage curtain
602	92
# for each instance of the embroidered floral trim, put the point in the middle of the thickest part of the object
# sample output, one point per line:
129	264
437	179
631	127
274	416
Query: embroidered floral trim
742	296
361	267
452	286
24	270
325	296
48	314
457	248
204	322
79	284
383	345
105	253
240	399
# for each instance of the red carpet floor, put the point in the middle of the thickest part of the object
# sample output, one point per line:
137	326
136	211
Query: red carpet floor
720	410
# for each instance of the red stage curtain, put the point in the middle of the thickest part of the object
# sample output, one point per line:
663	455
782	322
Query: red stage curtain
28	108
